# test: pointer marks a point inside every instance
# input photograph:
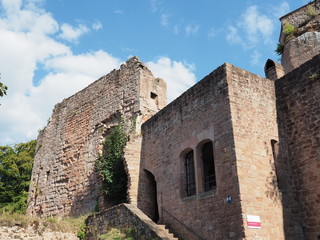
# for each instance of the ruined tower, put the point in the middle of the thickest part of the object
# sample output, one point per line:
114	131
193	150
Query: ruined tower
64	180
300	35
234	157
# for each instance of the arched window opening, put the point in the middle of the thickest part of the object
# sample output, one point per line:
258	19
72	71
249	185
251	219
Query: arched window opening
269	64
190	174
209	175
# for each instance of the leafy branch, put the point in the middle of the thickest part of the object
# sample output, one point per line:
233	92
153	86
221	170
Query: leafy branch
3	89
110	164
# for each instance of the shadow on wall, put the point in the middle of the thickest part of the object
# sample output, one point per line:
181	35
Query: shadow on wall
279	189
89	198
148	191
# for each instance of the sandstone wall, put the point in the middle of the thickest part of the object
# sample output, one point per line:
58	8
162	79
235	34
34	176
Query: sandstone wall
235	110
64	180
298	105
300	50
126	216
299	17
202	113
253	114
304	44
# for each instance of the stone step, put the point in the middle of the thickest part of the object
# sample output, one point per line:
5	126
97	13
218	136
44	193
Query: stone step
170	234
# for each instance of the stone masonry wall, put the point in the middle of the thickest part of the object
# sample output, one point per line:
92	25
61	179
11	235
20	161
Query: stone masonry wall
301	49
125	216
298	105
298	17
253	114
201	114
64	180
304	44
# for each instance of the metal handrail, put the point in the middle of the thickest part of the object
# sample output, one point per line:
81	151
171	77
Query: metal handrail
191	230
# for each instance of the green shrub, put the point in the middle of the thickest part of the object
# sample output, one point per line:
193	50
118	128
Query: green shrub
81	234
289	29
280	49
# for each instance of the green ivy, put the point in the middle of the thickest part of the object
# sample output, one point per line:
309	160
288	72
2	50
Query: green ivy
110	164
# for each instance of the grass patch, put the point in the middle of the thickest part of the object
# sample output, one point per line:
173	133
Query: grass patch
311	11
117	234
55	224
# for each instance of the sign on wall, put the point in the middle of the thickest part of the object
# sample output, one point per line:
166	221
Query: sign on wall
253	221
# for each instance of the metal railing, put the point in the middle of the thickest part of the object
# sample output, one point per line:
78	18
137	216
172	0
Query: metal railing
181	223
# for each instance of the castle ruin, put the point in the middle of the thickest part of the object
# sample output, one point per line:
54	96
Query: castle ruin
234	157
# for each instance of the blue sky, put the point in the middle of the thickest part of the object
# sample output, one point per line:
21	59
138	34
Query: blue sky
50	49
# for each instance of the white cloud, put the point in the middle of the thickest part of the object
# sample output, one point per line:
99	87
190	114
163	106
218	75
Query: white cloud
97	25
155	4
212	33
253	26
256	24
178	75
118	11
233	36
27	41
255	58
192	29
165	19
89	64
176	29
71	33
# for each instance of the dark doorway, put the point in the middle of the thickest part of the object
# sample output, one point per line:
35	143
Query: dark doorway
151	200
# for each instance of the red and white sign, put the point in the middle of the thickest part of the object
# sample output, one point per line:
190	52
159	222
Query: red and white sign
253	221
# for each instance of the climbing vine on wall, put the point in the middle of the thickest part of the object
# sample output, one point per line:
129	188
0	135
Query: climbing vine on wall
110	164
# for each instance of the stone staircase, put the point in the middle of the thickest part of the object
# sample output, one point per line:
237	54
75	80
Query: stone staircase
167	234
125	216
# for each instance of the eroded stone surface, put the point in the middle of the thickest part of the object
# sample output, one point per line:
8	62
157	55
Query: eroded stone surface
299	50
64	180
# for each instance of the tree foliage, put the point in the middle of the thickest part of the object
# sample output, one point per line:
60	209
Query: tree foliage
15	174
3	89
110	164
